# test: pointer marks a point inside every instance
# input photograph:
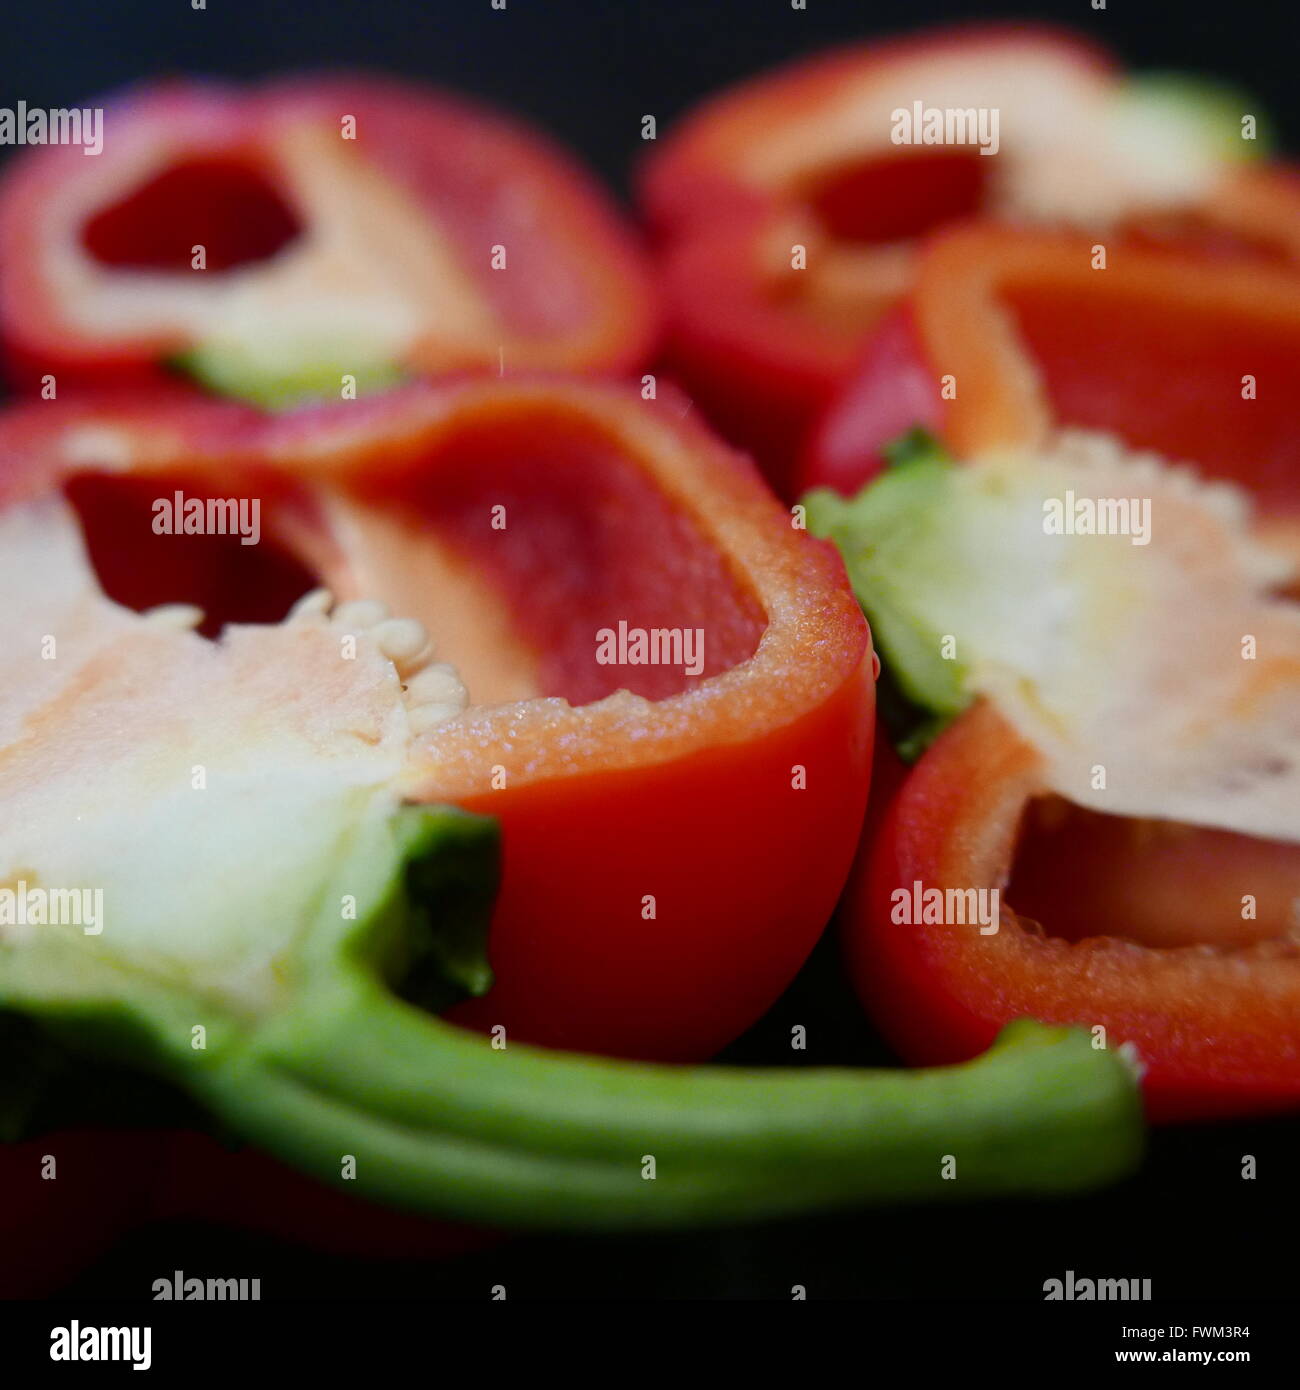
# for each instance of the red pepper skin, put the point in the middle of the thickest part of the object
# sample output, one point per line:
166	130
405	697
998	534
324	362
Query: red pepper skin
758	377
1217	1036
686	842
239	162
892	390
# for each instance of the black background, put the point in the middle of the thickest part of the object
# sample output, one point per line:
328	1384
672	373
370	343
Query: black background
588	72
1187	1221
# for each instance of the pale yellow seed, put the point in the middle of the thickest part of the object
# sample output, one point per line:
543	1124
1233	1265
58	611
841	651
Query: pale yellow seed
401	639
360	614
437	684
312	604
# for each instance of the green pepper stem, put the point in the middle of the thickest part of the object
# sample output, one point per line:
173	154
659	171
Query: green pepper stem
440	1121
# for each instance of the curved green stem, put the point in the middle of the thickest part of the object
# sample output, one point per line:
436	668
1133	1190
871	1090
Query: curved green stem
440	1121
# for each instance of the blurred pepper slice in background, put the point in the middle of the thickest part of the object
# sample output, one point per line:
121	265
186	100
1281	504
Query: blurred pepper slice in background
1154	350
269	240
790	207
524	524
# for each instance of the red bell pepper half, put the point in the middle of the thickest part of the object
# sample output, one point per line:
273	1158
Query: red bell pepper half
1126	782
527	527
518	521
1201	366
790	207
272	239
1134	926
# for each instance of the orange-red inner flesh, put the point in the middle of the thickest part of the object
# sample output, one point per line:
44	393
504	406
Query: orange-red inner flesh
228	206
901	196
588	541
1171	380
1082	874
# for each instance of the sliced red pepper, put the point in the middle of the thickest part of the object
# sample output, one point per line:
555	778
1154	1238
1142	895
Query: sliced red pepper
1201	367
805	158
673	794
519	522
1210	1001
349	225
